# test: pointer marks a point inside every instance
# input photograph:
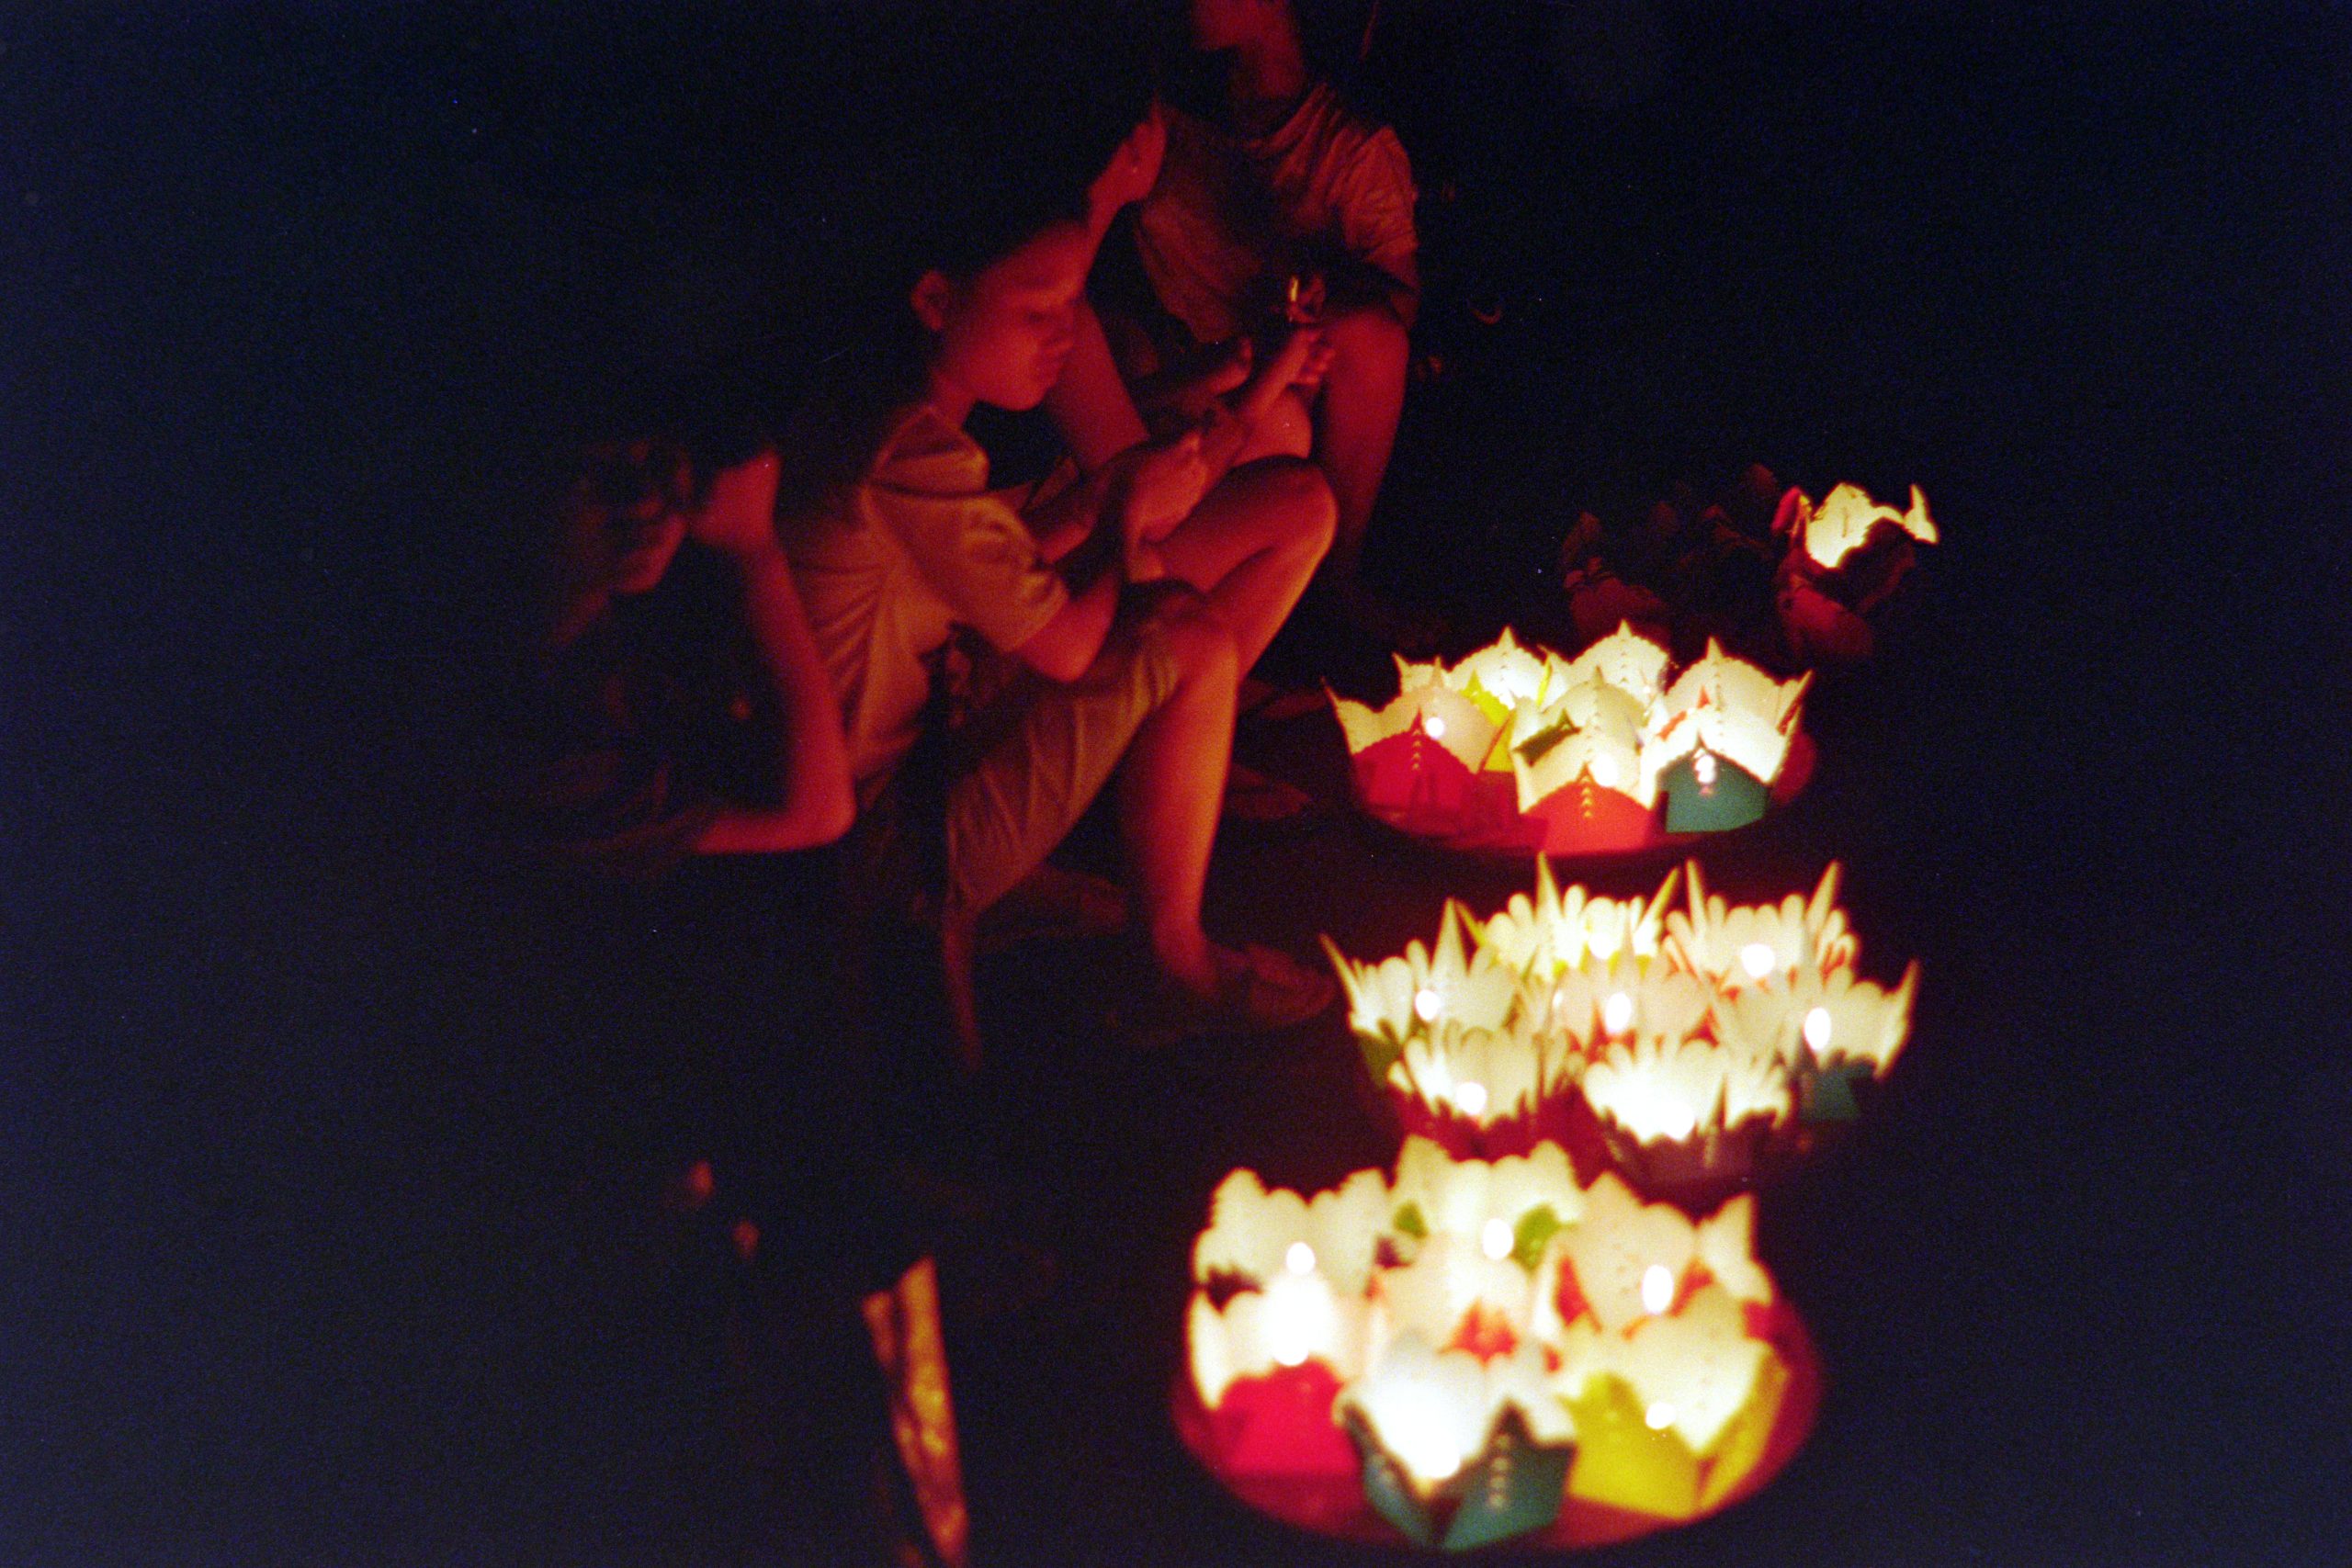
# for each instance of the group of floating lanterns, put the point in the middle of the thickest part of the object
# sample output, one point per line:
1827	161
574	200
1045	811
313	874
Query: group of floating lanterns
1681	1043
1481	1351
1550	1325
1519	749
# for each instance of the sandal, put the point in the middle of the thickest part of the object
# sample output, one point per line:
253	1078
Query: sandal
1260	990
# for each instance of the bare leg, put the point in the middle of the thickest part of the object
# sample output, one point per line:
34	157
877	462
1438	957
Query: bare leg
1252	544
1089	403
1355	420
1172	786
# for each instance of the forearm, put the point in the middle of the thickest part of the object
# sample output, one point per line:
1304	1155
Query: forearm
812	769
1070	519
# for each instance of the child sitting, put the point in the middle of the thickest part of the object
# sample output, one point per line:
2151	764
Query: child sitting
1130	601
1277	205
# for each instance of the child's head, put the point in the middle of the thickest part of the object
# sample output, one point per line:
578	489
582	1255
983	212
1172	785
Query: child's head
1230	23
626	514
1002	332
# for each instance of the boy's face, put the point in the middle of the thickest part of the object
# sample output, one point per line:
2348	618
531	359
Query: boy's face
1005	335
631	511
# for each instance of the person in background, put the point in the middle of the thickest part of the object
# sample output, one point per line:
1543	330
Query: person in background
1276	207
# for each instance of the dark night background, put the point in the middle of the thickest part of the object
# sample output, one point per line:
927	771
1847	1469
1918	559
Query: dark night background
297	1260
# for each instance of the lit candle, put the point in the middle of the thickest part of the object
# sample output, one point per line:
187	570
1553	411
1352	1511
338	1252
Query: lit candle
1617	1012
1657	1289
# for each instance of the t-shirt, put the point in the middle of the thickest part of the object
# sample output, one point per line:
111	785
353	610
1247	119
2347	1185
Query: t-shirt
1230	212
643	728
890	565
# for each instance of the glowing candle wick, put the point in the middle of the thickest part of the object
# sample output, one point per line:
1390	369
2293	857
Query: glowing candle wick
1433	727
1657	1289
1472	1098
1495	1239
1617	1012
1426	1004
1817	1029
1604	772
1300	1259
1658	1416
1757	957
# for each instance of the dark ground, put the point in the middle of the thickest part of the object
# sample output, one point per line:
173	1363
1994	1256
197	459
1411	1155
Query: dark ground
306	1252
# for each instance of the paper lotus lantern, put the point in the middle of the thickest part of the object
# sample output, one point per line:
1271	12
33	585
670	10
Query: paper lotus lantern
1524	1359
1511	750
1844	559
1684	1046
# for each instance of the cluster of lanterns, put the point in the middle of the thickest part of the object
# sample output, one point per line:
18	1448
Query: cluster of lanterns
1516	748
1677	1043
1549	1327
1476	1351
1796	583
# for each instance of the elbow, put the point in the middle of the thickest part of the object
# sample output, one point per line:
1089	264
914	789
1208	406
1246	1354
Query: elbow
831	815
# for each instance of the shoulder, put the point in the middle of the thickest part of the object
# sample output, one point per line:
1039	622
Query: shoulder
922	453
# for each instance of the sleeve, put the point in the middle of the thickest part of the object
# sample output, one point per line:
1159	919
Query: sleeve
968	543
1373	201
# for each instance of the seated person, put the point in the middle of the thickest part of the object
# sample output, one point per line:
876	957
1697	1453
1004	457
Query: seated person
1274	205
1131	598
688	712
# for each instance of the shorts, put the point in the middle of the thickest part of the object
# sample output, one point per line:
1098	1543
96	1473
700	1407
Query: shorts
1032	760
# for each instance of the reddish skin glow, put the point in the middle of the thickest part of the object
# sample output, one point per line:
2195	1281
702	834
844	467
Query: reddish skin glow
1003	335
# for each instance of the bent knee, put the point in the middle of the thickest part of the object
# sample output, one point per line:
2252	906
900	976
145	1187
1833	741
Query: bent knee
1373	335
1183	633
1301	493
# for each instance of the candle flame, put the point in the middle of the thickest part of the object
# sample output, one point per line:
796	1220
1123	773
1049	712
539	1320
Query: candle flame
1604	772
1472	1098
1817	1029
1495	1239
1617	1012
1426	1004
1756	959
1702	766
1657	1289
1658	1416
1433	727
1300	1259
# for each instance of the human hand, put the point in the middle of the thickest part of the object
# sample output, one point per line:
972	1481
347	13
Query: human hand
738	518
1133	170
1301	361
1164	481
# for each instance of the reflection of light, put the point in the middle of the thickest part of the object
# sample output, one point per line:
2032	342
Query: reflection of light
1300	1259
1617	1012
1434	727
1425	1005
1702	766
1472	1098
1757	958
1817	1029
1604	772
1658	1416
1495	1240
1657	1289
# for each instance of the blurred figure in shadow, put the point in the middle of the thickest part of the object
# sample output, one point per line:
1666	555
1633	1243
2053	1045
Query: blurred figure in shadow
1275	209
682	743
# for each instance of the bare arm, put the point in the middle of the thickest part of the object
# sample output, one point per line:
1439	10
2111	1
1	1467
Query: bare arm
815	802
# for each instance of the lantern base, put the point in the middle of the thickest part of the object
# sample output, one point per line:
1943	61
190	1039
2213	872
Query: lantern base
1336	1505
